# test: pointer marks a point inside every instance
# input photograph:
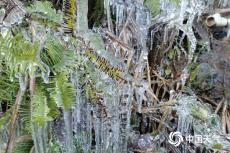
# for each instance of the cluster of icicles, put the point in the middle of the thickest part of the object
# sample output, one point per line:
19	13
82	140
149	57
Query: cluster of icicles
111	130
85	123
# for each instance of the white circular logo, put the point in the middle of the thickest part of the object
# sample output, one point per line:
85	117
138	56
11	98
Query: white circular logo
178	138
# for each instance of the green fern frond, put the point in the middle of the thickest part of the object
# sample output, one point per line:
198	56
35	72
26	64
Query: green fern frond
45	9
40	109
69	17
8	88
44	14
57	57
54	111
44	20
53	108
19	53
25	114
53	52
63	92
21	56
68	62
23	147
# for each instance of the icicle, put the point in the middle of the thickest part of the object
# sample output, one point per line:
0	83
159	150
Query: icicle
88	133
140	97
22	81
4	32
119	17
82	11
98	131
85	125
77	108
125	115
3	139
68	131
115	121
117	53
184	76
111	117
2	14
82	119
228	31
45	75
184	4
108	13
40	138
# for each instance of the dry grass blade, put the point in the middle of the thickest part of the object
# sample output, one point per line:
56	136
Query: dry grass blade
223	117
163	123
228	122
120	42
164	117
219	106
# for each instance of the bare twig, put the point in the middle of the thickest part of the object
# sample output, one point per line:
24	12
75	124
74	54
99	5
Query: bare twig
223	11
219	106
208	101
164	117
223	117
118	40
163	123
228	122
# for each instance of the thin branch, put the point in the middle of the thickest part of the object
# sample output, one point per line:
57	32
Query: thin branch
164	117
223	117
159	121
223	11
219	106
15	2
14	117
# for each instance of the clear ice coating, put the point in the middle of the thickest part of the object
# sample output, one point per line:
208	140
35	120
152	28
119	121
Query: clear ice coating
14	16
22	82
40	138
109	119
3	138
46	73
68	131
193	115
81	117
